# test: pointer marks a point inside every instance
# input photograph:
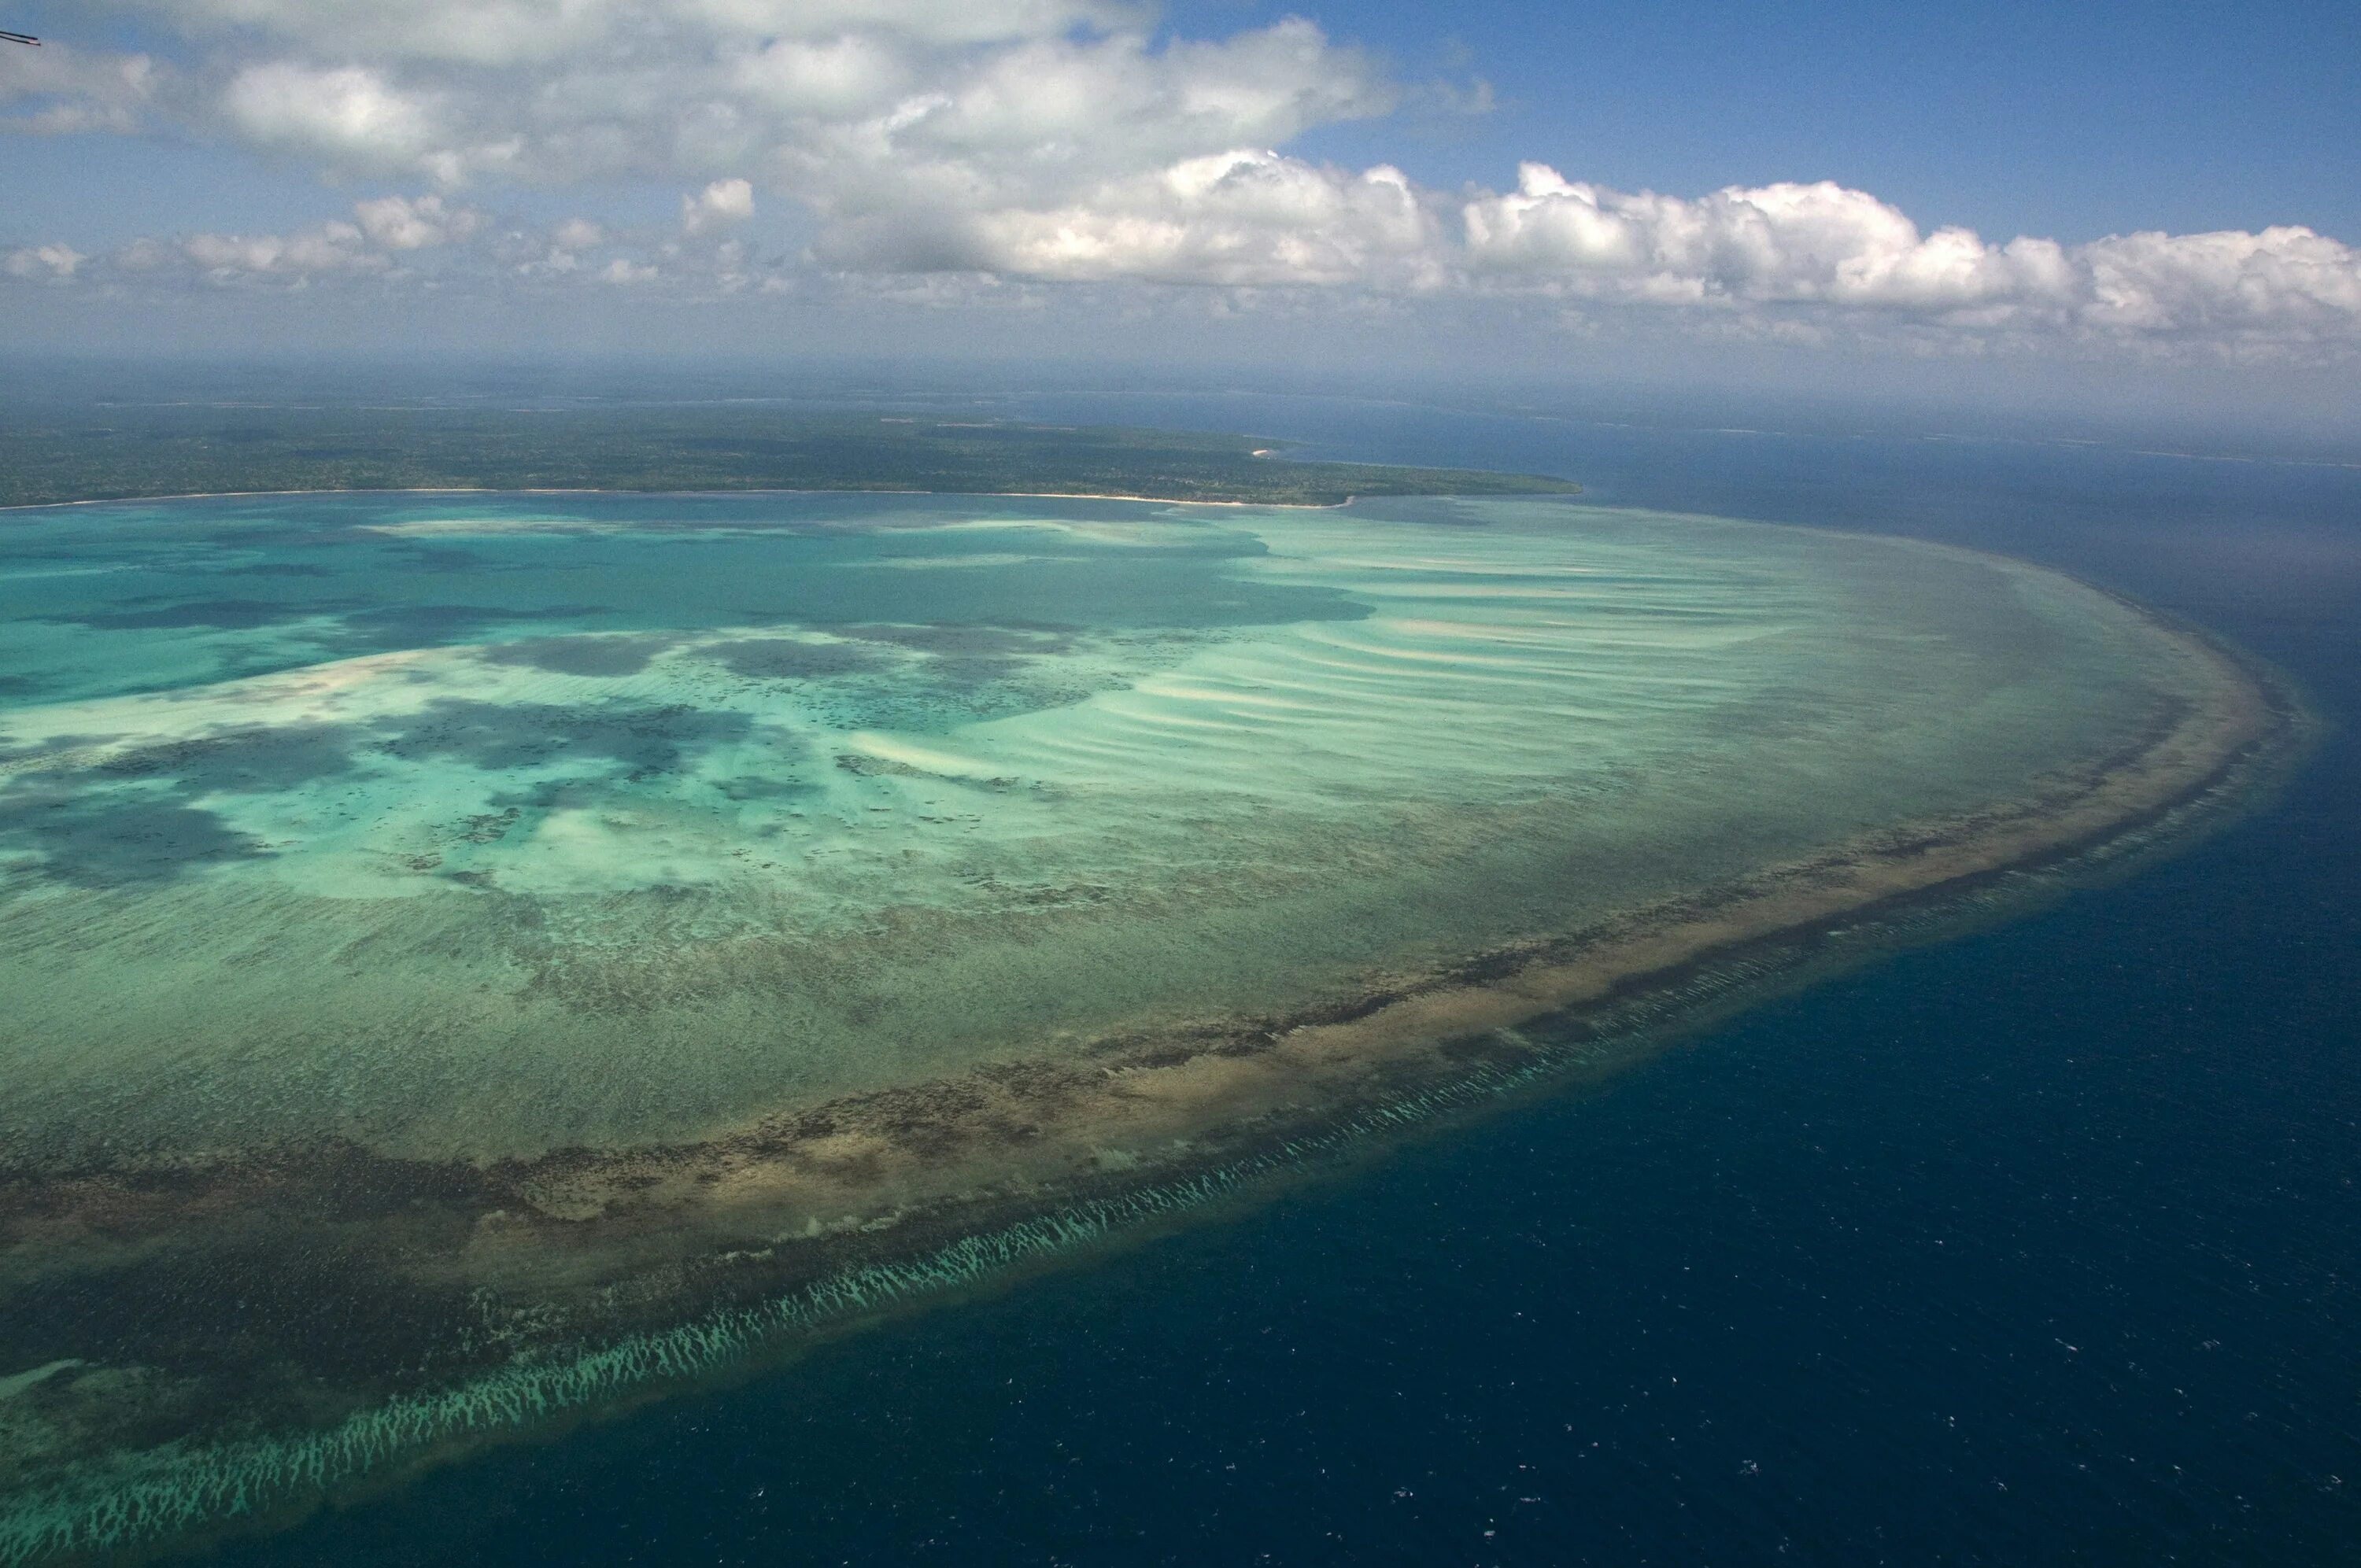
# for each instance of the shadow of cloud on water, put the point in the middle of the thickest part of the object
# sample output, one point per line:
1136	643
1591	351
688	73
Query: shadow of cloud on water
107	838
261	761
140	821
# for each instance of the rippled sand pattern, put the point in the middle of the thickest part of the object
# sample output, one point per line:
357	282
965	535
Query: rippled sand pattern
429	837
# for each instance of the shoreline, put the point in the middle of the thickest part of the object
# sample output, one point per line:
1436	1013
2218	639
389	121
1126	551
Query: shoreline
634	1271
754	490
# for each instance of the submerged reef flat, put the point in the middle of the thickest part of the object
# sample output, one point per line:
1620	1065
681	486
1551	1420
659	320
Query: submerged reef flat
474	958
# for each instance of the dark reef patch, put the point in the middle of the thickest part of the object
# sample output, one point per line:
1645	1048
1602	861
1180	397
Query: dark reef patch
493	736
579	656
968	655
788	659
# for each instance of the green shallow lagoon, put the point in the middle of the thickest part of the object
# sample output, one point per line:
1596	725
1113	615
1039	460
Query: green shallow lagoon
356	854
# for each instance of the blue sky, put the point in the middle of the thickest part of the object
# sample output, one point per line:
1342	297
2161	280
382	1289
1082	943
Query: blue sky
2068	120
933	169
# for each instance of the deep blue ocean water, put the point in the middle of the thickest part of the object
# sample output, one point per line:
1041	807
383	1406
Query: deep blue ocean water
2040	1247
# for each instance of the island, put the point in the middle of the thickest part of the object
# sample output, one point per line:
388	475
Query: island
57	449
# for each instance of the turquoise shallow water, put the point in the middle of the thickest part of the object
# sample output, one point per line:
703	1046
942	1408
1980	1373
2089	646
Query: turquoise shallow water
481	825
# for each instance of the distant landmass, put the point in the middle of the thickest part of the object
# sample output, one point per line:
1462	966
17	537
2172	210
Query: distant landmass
82	451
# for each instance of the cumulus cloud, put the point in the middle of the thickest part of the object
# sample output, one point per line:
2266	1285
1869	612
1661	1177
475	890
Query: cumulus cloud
345	112
1042	126
718	206
415	241
1053	142
58	90
51	263
1788	242
856	103
578	234
828	79
2282	280
1243	218
403	223
378	240
1824	244
329	247
355	119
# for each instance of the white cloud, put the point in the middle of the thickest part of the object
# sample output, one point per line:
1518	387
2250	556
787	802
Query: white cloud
50	263
402	223
1823	245
718	205
1065	142
344	112
381	234
414	241
2281	281
1040	125
845	77
355	119
1234	219
58	90
851	102
329	247
578	234
1779	243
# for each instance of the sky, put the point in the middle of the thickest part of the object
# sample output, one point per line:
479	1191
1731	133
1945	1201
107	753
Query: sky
2004	196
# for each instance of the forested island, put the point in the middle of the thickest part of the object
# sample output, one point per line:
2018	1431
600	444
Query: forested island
60	451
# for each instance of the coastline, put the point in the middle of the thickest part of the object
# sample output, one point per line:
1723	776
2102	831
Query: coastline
944	1184
837	489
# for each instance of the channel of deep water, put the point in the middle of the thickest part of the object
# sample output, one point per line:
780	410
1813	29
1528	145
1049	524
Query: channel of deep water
482	958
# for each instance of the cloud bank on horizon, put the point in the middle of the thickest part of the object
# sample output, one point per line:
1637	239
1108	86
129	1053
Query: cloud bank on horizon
1044	143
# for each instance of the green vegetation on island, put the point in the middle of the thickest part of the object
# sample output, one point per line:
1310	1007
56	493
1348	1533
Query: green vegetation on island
57	452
